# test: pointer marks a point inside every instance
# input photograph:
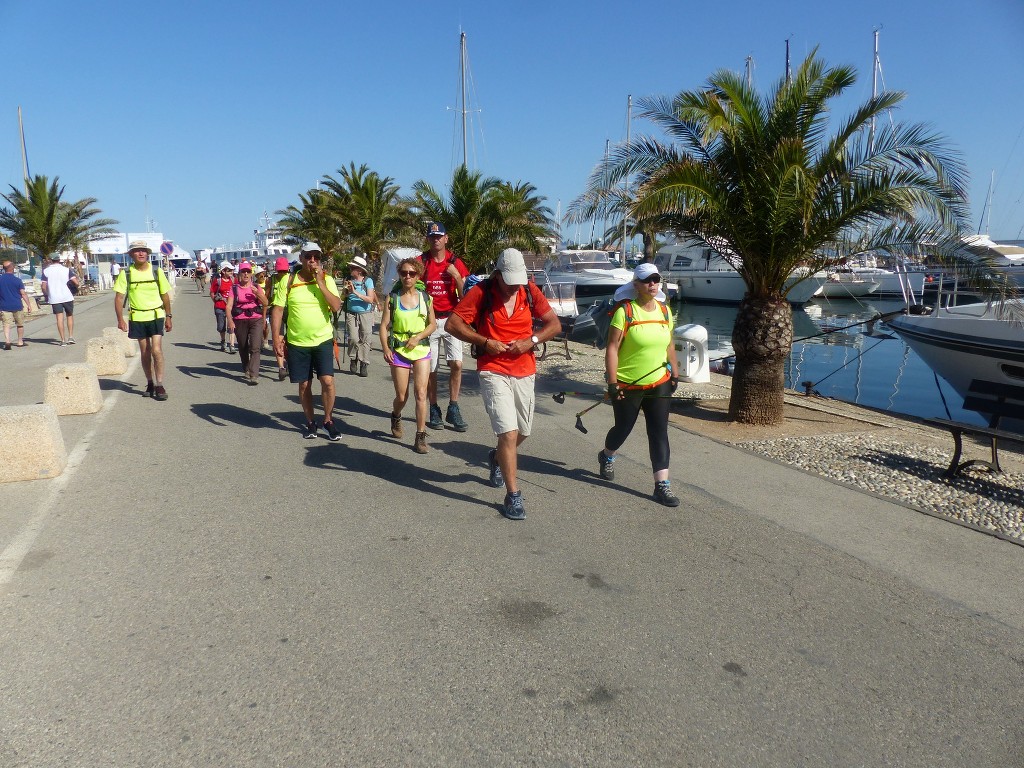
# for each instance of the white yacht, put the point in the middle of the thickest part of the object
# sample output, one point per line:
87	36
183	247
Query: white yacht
901	283
593	274
967	342
846	285
701	273
267	244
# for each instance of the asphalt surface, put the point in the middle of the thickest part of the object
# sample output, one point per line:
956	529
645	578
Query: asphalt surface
203	587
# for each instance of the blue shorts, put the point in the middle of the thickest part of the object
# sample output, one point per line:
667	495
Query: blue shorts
222	319
303	362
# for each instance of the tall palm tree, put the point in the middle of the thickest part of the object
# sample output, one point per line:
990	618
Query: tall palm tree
370	210
41	221
484	215
761	180
314	220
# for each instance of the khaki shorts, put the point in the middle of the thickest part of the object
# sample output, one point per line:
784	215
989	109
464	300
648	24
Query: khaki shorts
508	401
438	339
17	317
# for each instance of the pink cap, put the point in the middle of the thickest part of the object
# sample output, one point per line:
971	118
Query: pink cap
281	265
245	266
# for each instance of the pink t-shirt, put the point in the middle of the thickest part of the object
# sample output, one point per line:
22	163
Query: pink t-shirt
247	303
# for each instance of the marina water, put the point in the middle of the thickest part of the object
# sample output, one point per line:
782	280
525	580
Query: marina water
877	370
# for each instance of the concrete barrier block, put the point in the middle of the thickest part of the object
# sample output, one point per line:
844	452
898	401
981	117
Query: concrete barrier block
106	357
37	458
72	388
129	347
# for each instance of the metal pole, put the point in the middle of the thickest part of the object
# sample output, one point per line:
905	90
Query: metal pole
462	80
625	181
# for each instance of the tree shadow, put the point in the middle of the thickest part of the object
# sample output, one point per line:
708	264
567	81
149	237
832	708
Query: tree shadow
410	474
223	414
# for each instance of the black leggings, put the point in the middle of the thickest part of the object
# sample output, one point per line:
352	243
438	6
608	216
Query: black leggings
655	404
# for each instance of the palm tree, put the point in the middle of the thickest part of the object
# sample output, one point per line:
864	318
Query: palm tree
484	215
314	220
759	179
41	221
370	210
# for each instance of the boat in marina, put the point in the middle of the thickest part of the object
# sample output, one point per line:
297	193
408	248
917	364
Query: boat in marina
702	274
592	274
846	285
984	340
267	244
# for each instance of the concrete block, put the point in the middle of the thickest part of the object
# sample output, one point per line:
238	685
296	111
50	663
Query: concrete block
72	388
106	357
31	444
129	347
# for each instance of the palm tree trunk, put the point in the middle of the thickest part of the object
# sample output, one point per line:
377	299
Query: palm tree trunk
762	338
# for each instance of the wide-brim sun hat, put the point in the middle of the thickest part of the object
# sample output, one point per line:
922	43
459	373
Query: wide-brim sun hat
139	245
512	267
359	263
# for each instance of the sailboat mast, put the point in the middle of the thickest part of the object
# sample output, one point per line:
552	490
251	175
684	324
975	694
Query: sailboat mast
462	80
625	181
874	93
24	152
988	207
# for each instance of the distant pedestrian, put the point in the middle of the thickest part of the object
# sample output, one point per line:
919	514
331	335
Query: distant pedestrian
278	279
220	288
360	300
145	290
309	296
444	275
246	306
405	329
641	370
57	285
497	317
14	302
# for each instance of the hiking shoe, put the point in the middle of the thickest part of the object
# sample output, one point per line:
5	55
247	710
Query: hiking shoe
332	431
434	422
159	393
149	390
364	370
454	417
309	430
496	479
222	347
607	466
353	367
420	446
282	374
513	508
252	381
7	345
663	494
71	340
396	425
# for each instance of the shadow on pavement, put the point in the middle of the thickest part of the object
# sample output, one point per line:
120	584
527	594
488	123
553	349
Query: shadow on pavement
411	475
110	384
221	414
209	346
199	371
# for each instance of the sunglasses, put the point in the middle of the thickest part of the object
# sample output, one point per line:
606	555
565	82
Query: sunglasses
407	273
652	279
314	256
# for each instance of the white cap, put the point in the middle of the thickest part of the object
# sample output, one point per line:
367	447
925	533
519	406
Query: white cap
645	270
226	265
512	266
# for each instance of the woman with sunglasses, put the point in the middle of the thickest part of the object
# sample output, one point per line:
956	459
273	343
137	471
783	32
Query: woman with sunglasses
640	366
405	330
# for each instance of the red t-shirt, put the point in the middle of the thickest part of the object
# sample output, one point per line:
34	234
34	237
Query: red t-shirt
220	287
440	285
498	324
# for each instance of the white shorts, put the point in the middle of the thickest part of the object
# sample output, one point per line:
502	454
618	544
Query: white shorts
508	401
452	346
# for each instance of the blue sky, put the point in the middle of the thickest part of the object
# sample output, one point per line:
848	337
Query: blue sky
218	111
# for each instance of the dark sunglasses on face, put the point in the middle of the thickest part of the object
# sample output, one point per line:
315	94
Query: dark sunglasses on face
314	256
406	273
652	279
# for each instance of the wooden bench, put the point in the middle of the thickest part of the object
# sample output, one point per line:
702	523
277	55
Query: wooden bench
997	401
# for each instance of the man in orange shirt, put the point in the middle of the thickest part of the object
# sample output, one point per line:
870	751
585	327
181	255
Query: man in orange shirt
499	320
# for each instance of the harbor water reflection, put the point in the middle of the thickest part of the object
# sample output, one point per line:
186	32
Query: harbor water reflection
875	369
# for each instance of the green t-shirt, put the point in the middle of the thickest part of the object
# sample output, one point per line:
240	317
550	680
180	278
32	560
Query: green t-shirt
309	314
144	292
409	322
644	346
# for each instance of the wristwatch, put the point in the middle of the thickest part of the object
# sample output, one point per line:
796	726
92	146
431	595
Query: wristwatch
535	340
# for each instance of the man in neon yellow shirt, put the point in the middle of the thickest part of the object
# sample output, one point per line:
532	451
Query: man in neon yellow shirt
145	289
310	296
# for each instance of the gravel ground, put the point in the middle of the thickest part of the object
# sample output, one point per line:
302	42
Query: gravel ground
886	460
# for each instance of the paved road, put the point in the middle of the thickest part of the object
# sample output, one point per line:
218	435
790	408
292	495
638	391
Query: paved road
202	587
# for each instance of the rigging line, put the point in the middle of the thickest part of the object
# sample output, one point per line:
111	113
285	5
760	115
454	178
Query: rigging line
875	319
1010	156
855	359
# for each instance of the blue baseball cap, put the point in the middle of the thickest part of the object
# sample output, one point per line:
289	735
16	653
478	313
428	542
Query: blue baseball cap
433	228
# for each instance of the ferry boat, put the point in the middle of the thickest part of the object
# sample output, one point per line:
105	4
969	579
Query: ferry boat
266	246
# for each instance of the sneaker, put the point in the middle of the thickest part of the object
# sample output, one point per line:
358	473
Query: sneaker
252	381
606	464
231	350
223	348
454	417
332	432
63	343
71	340
496	479
513	508
309	431
434	422
159	393
149	390
663	494
282	374
396	425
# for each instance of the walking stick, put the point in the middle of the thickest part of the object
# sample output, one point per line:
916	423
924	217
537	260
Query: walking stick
579	416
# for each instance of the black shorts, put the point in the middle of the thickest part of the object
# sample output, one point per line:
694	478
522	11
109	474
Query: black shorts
144	329
67	308
303	362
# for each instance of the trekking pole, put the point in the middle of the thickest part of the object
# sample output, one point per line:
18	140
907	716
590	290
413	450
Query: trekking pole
579	416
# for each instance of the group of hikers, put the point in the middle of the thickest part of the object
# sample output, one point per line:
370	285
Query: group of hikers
435	307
